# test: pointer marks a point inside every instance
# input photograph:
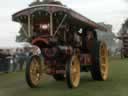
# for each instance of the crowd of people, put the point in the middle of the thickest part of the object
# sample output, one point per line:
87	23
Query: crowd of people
16	61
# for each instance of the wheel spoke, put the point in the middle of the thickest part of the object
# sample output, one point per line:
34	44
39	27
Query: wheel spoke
103	65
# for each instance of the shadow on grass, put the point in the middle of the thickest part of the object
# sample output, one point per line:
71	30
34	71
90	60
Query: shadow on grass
53	88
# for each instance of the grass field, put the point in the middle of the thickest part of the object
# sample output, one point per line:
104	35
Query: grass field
13	84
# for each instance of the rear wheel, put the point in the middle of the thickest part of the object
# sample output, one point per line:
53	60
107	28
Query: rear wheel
33	71
73	72
99	69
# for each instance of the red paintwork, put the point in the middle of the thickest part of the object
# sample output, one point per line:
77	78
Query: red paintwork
39	39
85	59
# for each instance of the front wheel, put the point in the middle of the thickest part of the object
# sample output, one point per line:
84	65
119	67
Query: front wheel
73	72
33	71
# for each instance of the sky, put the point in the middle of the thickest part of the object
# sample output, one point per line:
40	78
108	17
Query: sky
109	11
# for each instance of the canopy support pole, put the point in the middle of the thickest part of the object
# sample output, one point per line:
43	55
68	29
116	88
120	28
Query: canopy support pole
61	23
51	24
29	26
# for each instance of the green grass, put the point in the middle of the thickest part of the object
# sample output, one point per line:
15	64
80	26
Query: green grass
14	84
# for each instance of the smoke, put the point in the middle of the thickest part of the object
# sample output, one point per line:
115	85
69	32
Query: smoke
126	1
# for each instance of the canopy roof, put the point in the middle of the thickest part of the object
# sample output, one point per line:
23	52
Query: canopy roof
53	8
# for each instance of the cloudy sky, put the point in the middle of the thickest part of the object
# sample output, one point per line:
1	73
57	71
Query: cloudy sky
109	11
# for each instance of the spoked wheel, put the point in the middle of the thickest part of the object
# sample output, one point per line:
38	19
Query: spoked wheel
34	71
73	72
104	61
99	68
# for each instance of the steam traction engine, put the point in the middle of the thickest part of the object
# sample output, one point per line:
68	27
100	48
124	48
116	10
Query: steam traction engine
67	42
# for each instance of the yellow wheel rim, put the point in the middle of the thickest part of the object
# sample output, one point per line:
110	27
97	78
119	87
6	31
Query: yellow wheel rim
104	61
35	71
75	71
